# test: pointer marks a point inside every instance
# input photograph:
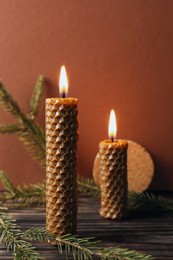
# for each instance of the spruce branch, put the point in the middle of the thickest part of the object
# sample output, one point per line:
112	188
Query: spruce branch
25	196
80	247
83	248
21	196
11	239
34	141
9	104
30	195
38	234
151	203
36	97
32	135
7	183
118	253
10	129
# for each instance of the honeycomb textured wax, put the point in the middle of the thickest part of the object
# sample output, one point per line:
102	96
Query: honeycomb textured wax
113	168
61	163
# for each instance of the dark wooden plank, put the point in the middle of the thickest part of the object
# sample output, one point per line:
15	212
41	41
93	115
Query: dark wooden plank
150	235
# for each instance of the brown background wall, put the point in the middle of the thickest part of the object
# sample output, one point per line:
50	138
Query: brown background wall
118	53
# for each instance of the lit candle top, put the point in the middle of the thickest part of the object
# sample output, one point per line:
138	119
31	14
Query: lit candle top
63	91
63	82
112	129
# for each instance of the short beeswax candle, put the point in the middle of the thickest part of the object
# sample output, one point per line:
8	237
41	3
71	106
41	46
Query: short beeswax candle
61	161
113	168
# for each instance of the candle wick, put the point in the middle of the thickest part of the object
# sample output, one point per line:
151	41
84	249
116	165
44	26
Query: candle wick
112	139
63	95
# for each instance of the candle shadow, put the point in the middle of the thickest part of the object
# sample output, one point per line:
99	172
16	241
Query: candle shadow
160	180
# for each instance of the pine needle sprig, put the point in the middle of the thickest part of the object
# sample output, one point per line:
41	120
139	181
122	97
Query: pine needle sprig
11	239
25	196
30	195
34	141
151	203
118	253
10	129
7	183
80	247
36	97
21	196
9	104
87	185
83	248
38	234
32	135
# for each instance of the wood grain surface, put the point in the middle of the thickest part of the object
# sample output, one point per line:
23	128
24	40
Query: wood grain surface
150	235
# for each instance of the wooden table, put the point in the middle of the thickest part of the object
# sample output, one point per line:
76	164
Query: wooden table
150	235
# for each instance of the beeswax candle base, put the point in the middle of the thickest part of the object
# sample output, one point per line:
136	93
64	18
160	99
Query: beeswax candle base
113	160
61	159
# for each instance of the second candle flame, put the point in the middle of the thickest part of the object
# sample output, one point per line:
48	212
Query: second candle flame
112	129
63	82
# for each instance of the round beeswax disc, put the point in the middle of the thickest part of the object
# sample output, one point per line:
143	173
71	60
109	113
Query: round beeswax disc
140	167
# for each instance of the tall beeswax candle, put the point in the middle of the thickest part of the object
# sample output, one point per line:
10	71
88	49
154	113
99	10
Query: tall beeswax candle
113	168
61	162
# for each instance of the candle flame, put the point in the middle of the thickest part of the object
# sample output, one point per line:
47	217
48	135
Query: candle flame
63	82
112	130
